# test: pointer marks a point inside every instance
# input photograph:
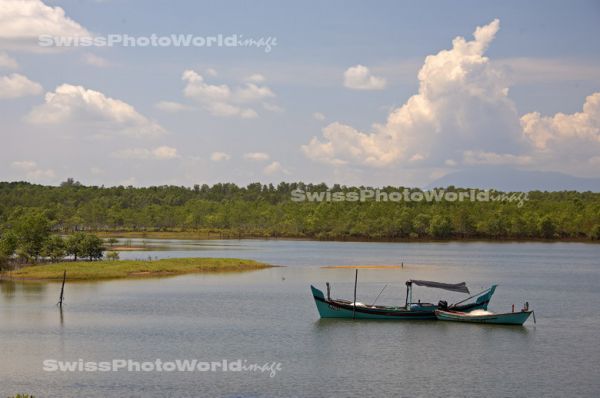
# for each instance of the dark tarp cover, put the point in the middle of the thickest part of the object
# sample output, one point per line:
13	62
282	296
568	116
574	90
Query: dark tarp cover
455	287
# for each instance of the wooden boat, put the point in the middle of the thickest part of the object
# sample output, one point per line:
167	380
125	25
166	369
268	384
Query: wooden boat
508	318
339	308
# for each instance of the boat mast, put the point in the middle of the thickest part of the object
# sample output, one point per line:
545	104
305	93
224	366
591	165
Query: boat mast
354	305
408	294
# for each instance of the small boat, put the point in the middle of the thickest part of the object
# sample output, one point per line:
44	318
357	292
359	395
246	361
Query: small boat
508	318
339	308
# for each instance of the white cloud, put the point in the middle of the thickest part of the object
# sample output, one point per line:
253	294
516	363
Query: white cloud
225	101
95	60
360	78
251	92
257	156
461	105
462	116
171	106
566	142
272	107
16	85
274	168
105	115
30	170
24	164
219	156
165	152
256	78
7	62
319	116
159	153
547	131
23	21
227	110
131	181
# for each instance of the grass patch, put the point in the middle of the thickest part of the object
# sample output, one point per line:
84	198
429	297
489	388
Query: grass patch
94	270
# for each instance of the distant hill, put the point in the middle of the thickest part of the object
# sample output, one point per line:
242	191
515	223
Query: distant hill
506	179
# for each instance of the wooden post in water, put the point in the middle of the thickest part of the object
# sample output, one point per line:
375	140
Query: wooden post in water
354	306
62	290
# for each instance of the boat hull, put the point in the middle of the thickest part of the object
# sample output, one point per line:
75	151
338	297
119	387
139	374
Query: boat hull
510	318
338	309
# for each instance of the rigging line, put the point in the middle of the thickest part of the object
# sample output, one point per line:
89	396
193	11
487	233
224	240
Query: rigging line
379	295
470	297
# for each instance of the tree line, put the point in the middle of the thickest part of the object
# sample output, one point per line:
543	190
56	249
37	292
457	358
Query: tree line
259	210
29	239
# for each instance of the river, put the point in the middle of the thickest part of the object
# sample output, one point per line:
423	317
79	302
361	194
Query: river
268	316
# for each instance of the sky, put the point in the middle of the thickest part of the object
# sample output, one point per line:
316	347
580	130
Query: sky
350	92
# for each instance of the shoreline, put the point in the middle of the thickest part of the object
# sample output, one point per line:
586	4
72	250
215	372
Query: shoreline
189	235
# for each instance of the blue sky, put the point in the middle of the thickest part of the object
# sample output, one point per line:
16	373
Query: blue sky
318	107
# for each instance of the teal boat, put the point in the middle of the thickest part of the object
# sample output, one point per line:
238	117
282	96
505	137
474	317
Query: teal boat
339	308
508	318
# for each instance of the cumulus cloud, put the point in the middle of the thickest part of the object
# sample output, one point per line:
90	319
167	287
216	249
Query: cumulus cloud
566	142
171	106
159	153
359	77
225	101
461	104
7	62
272	107
219	156
24	21
274	168
95	60
104	115
30	170
257	156
462	116
256	78
319	116
16	85
548	131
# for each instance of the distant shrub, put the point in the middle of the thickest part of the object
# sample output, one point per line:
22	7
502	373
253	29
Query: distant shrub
112	255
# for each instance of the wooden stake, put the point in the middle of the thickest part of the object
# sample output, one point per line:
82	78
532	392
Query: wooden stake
62	290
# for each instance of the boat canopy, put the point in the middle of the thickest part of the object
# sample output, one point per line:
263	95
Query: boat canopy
455	287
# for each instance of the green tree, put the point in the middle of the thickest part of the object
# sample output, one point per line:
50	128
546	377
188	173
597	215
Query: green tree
421	224
92	247
54	248
595	233
32	230
74	245
547	228
8	246
440	227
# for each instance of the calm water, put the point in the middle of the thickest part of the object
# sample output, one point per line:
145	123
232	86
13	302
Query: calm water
269	315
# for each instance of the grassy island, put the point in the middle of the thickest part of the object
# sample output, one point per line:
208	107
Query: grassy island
96	270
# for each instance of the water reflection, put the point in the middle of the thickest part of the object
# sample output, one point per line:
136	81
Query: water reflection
8	289
33	291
